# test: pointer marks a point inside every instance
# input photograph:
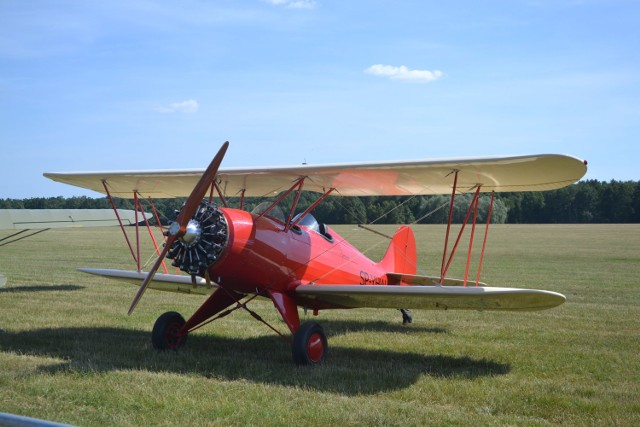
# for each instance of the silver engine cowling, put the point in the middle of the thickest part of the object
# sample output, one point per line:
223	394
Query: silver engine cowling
204	241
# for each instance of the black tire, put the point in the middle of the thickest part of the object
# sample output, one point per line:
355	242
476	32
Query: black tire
309	344
407	318
165	332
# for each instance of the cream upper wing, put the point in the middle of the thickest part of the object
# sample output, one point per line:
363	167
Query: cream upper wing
420	177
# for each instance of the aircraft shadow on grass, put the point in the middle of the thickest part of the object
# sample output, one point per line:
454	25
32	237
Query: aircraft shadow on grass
341	327
40	288
348	371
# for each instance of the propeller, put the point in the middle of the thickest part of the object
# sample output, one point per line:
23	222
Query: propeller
179	227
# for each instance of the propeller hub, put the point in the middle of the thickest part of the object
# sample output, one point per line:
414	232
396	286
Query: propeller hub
193	233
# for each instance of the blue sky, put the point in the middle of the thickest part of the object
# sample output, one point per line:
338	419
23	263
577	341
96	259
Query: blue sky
111	85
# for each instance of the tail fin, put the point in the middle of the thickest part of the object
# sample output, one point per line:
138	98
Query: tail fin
401	254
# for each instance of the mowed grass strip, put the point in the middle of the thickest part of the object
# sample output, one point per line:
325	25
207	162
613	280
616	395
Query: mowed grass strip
69	352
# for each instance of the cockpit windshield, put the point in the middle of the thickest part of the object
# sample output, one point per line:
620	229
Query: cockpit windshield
308	221
275	212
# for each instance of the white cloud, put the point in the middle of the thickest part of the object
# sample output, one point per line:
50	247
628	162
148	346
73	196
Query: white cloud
188	106
404	73
294	4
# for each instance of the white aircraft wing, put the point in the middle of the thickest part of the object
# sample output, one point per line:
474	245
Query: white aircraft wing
32	219
419	177
160	282
431	297
448	297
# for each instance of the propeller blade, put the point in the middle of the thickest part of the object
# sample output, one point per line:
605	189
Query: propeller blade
152	272
187	212
200	189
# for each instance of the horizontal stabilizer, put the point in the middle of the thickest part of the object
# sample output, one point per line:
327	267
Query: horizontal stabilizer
413	280
160	282
431	297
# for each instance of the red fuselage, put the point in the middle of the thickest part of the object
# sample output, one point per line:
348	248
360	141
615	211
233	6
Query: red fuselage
261	256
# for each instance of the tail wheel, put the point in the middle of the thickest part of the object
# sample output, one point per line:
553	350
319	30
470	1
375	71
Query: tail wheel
166	332
309	344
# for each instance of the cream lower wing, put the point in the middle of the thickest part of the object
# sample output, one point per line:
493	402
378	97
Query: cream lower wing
362	296
431	297
160	282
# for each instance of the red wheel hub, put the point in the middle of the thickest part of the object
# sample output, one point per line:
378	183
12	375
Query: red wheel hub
315	348
172	335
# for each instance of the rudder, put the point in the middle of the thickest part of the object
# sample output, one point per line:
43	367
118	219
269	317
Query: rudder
401	255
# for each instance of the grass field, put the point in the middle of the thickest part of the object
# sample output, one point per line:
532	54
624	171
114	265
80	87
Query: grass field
69	352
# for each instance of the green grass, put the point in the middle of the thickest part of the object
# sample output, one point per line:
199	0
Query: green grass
69	352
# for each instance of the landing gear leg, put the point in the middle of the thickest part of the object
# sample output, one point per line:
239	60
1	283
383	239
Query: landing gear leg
309	344
406	316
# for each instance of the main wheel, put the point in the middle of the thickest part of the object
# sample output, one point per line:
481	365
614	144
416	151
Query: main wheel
309	344
165	334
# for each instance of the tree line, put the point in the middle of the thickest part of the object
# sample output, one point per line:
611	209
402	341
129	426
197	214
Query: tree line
586	202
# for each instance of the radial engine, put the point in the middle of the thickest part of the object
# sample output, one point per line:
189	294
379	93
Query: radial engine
204	241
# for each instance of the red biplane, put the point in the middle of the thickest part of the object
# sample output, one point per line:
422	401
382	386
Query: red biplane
234	256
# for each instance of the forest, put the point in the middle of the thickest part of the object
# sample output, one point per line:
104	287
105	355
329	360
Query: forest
589	201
